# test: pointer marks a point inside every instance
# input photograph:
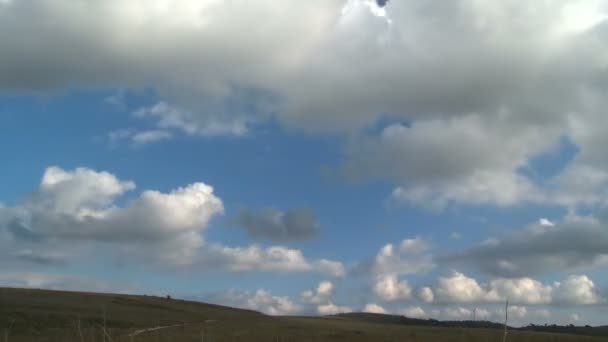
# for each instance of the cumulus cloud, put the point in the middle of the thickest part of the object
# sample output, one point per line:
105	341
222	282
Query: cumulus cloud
271	259
273	224
504	80
413	312
374	308
81	205
576	290
458	288
260	300
321	299
332	309
322	293
409	257
389	288
426	294
573	243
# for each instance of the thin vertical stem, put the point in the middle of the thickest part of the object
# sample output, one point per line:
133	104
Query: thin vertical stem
504	337
80	330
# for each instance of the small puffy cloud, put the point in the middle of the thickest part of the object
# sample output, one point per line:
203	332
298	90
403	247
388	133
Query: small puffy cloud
332	309
546	222
321	297
260	300
409	257
321	294
389	288
413	312
517	312
426	294
335	268
275	225
275	258
576	289
374	308
458	288
521	290
575	317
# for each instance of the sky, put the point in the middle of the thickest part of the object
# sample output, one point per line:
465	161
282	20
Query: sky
426	158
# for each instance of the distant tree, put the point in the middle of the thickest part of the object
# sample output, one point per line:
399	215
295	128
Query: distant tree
168	297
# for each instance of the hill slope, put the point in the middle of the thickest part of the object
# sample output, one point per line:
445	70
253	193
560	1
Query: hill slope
41	315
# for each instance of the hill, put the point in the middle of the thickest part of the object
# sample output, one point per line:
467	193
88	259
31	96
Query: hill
42	315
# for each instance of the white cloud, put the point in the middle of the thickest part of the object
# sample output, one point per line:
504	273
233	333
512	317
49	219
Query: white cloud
576	289
517	312
82	205
275	258
458	288
546	222
426	294
260	300
413	312
389	288
515	78
408	258
332	309
322	294
374	308
521	290
321	297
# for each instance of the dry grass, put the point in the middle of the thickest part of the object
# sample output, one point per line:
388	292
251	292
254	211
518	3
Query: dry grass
66	316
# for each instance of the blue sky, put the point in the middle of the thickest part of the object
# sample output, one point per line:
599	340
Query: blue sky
363	159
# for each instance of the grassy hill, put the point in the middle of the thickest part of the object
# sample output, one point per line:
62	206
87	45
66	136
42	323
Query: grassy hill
41	315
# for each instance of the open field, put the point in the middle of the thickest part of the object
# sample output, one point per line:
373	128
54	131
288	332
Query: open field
40	315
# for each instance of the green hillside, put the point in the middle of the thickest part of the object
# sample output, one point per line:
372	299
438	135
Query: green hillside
42	315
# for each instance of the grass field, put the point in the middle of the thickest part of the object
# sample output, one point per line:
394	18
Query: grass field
40	315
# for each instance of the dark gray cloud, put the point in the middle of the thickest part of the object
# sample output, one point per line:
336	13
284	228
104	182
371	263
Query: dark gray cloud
382	3
21	232
39	258
576	243
275	225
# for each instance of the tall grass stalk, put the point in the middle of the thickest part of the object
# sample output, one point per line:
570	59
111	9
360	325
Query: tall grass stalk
504	337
